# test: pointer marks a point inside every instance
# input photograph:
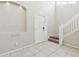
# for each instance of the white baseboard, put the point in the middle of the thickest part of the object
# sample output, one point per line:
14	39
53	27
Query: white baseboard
20	48
71	45
16	49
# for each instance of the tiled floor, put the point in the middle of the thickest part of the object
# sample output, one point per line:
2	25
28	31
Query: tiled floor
45	49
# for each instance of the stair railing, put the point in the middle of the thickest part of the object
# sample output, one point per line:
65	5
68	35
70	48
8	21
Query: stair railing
68	28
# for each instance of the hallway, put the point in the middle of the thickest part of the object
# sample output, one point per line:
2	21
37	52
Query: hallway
44	49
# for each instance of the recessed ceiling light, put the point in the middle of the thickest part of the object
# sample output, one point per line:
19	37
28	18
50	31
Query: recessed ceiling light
20	7
64	3
8	3
58	2
72	2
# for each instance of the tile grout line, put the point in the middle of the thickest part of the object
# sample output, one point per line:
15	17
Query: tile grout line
54	51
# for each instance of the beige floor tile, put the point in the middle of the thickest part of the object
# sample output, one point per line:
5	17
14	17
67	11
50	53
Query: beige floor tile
45	49
50	43
61	51
6	55
40	54
16	54
66	48
74	53
59	55
53	49
71	51
28	52
54	55
41	47
33	50
47	46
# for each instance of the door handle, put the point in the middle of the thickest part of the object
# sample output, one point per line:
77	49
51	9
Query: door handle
43	28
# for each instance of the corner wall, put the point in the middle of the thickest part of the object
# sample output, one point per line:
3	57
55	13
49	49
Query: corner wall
64	12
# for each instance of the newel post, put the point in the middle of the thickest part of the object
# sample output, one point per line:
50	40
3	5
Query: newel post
61	35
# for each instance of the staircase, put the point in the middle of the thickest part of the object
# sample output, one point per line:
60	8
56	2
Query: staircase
69	32
53	39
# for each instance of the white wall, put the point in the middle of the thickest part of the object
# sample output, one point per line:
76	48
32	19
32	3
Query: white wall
44	9
10	41
65	12
13	40
12	18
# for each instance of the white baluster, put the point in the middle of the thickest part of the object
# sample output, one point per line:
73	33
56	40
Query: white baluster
72	26
61	35
77	24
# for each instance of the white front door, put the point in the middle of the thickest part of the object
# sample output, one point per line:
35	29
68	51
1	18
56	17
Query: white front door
40	29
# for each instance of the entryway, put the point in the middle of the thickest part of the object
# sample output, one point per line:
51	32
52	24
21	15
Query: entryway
40	29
